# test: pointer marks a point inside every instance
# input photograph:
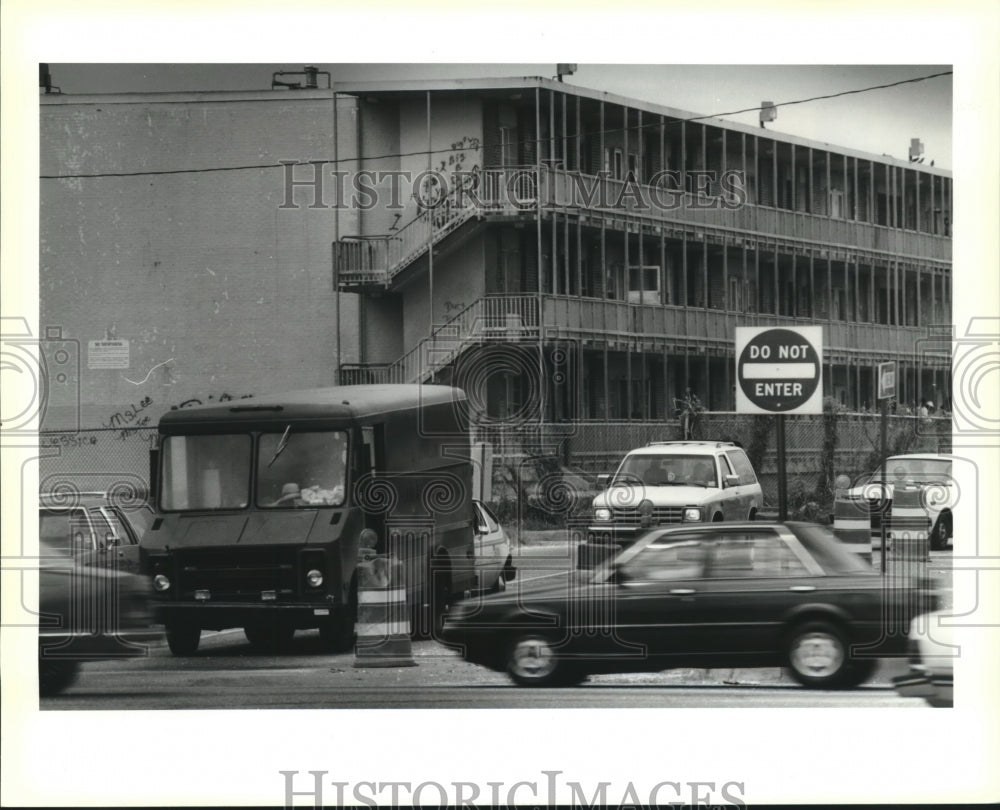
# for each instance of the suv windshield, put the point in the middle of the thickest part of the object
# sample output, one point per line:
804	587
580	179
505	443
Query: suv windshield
661	470
915	471
206	472
301	469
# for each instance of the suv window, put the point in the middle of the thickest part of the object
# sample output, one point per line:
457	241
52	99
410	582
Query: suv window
742	465
661	469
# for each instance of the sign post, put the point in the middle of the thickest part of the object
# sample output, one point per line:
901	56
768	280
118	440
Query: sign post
886	390
779	371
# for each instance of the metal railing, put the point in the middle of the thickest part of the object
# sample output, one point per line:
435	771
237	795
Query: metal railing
516	318
511	190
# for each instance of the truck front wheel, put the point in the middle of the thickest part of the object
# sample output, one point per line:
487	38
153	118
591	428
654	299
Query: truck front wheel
183	638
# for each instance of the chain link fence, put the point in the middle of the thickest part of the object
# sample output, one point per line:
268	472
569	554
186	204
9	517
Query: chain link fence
818	449
571	454
103	460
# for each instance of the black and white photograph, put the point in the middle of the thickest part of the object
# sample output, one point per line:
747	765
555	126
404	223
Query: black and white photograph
463	428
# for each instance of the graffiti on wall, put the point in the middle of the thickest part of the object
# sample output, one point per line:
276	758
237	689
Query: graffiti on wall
210	399
130	419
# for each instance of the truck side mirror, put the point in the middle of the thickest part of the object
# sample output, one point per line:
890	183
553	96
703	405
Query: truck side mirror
732	480
602	480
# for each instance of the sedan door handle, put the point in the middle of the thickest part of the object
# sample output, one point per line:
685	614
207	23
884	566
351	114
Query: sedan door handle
802	588
682	591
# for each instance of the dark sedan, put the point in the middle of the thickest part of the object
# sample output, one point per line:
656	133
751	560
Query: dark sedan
718	595
87	613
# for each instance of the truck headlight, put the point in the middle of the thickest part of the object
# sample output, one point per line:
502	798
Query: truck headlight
314	578
161	583
602	513
692	514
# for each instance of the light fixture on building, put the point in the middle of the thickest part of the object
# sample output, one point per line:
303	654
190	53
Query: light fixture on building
916	151
564	70
768	112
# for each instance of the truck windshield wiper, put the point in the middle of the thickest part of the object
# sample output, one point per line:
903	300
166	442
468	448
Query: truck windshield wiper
281	445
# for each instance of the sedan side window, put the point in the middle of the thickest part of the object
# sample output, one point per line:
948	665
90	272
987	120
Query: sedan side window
491	520
666	562
121	534
755	555
106	537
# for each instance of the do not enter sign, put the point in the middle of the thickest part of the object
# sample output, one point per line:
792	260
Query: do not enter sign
779	370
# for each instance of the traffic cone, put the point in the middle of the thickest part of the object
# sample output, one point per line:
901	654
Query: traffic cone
383	625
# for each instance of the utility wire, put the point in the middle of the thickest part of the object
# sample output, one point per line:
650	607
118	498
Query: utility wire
449	150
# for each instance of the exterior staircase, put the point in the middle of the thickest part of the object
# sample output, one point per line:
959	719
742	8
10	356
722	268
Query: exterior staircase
492	319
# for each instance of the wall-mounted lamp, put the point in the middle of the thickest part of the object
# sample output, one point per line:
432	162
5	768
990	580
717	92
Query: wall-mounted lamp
564	70
768	112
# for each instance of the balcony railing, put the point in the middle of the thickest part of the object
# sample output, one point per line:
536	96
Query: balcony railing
518	318
378	259
571	191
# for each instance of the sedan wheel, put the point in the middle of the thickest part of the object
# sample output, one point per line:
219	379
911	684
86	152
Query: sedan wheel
817	656
533	661
55	676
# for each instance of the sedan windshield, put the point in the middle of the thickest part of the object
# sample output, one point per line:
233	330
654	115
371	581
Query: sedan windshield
659	470
301	469
206	472
827	550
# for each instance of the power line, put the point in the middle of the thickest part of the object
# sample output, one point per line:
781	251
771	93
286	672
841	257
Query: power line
450	150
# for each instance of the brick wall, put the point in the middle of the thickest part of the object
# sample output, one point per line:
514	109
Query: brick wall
219	292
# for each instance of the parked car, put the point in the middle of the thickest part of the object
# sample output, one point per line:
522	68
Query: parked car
932	661
87	613
494	561
547	485
722	595
94	529
925	479
670	482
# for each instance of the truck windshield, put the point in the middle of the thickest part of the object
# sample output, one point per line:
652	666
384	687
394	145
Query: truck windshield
206	472
661	470
301	469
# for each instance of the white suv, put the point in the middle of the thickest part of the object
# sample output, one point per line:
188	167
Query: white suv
670	482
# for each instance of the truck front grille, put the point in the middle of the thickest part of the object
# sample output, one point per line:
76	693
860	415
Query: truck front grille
237	575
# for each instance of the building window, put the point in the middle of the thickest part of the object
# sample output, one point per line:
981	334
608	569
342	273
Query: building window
613	162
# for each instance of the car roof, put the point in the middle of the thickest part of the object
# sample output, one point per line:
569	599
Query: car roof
926	456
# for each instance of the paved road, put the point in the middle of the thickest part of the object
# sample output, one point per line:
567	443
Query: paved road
226	674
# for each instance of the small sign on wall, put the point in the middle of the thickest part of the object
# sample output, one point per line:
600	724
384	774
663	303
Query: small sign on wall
108	354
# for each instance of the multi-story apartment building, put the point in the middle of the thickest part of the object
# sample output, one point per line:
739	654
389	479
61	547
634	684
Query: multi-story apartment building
592	265
602	250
